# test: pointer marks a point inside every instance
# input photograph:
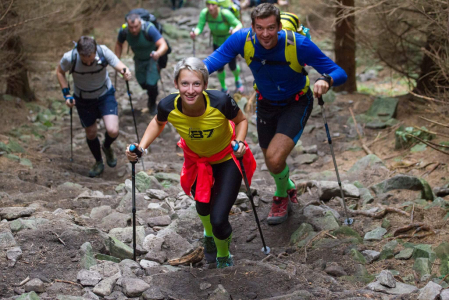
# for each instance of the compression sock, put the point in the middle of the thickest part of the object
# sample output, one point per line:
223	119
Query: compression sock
94	146
223	246
207	225
236	73
108	140
283	182
222	78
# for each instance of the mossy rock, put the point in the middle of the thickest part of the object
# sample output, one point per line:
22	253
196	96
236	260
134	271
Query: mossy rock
348	231
358	257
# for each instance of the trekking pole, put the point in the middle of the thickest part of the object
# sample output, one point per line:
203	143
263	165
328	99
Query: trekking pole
71	133
160	77
135	150
132	110
115	80
348	221
266	250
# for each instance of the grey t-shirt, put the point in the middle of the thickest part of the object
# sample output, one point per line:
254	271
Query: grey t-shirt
90	85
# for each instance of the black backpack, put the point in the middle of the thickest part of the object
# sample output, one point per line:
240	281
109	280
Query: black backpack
101	61
146	16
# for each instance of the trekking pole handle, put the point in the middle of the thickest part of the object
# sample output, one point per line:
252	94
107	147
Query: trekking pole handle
127	84
320	101
136	150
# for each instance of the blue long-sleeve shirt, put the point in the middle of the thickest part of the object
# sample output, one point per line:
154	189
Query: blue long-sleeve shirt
276	82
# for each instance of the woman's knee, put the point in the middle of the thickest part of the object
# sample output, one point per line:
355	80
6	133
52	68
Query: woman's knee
221	227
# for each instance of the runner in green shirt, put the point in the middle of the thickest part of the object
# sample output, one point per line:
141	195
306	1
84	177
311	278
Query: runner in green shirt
222	24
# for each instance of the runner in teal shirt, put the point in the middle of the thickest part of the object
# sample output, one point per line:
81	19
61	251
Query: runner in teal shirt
222	24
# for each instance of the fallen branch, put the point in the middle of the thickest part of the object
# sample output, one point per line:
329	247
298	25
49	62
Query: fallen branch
69	282
413	211
434	122
192	258
319	235
418	226
444	278
58	238
431	170
331	236
393	129
431	132
409	236
23	281
380	214
367	150
427	98
428	144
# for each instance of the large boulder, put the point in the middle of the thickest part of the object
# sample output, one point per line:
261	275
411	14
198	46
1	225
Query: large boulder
126	234
401	182
11	213
134	287
175	245
321	218
7	240
329	189
114	220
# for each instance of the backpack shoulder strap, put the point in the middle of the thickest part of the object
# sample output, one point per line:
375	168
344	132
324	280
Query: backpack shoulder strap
145	26
101	55
74	58
290	51
249	50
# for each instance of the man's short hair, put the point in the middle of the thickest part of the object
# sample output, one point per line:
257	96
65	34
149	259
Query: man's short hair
86	46
133	17
265	10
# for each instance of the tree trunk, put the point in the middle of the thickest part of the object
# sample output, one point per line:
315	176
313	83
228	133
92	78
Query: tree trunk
426	83
345	47
17	83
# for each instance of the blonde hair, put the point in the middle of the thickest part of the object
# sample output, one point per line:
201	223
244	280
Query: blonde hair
192	64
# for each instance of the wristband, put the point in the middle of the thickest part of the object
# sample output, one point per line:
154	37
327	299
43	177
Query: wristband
66	92
239	142
326	78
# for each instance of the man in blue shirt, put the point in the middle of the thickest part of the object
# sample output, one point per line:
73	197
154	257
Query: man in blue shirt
276	58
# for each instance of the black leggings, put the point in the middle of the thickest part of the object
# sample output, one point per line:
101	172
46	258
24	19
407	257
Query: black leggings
223	195
232	64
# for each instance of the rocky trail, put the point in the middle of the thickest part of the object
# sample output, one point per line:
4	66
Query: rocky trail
66	236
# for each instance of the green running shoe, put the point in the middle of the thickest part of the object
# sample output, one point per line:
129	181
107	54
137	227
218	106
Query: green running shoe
223	262
111	159
97	169
210	249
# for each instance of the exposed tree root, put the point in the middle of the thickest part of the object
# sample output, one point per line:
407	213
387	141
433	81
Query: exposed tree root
194	257
380	214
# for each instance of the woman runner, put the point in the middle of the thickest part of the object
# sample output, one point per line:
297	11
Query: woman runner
210	123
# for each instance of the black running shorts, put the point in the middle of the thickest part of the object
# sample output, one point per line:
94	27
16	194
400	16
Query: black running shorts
288	117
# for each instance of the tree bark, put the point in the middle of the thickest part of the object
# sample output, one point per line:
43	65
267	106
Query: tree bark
426	82
17	83
345	48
